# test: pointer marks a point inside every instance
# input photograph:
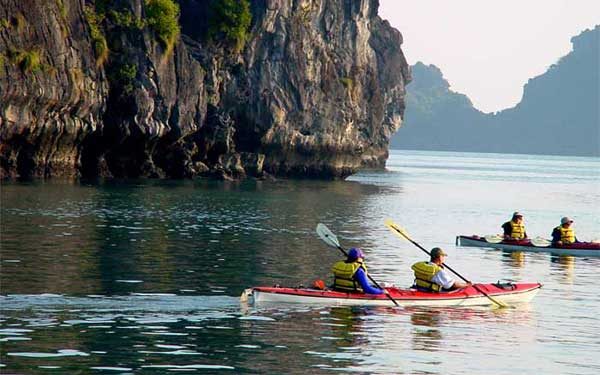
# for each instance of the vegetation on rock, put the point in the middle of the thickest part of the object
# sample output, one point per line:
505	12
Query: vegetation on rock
123	77
231	21
27	60
162	17
98	40
126	18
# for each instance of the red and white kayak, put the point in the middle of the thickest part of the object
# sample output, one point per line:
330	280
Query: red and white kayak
577	249
507	293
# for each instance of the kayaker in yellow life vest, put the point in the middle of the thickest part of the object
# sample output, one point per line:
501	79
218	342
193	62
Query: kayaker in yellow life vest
431	276
351	275
514	229
564	233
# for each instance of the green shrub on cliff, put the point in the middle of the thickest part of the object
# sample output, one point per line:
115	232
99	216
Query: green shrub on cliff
98	40
62	9
19	22
231	21
2	60
31	61
163	18
347	82
126	19
28	60
122	77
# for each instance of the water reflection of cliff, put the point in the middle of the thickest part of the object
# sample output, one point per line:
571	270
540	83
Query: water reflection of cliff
48	244
192	236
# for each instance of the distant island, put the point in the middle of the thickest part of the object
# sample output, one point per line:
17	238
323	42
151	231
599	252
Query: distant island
558	114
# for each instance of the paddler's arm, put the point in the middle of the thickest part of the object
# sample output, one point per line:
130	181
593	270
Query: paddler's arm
556	237
507	230
362	279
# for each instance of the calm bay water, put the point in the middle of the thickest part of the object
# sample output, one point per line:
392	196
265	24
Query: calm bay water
144	276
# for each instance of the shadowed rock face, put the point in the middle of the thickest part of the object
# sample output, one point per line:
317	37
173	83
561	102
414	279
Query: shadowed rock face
317	91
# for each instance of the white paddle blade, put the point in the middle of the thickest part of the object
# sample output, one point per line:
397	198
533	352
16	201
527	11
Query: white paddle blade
494	238
327	236
397	229
540	242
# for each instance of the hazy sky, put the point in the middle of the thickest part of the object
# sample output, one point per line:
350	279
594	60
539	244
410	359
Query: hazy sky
488	49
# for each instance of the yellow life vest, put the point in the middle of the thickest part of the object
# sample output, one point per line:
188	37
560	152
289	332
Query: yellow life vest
518	230
343	275
424	273
567	235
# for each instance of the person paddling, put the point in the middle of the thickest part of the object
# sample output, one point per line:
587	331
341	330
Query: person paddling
351	275
514	229
564	234
431	276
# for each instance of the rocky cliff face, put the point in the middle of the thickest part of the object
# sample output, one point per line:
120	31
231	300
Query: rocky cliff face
93	89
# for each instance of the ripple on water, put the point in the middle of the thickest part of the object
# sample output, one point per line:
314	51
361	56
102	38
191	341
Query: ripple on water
164	333
173	352
247	346
15	338
60	353
129	281
167	346
15	331
197	366
256	317
108	368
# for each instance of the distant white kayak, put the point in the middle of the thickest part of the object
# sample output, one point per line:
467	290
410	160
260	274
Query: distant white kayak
576	249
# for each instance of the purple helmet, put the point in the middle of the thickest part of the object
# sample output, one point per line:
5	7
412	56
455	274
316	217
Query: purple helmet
355	253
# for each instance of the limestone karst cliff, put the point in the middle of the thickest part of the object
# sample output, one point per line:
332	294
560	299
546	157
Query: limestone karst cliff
557	115
230	88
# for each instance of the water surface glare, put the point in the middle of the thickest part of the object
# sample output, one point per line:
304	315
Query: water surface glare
145	276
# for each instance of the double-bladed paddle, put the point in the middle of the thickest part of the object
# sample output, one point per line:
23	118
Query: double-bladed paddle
400	232
330	239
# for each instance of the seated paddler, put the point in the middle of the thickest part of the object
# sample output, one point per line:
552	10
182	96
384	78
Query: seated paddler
432	277
350	275
515	228
564	234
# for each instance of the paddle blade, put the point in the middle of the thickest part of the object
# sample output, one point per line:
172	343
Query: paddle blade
494	238
540	242
397	229
327	236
